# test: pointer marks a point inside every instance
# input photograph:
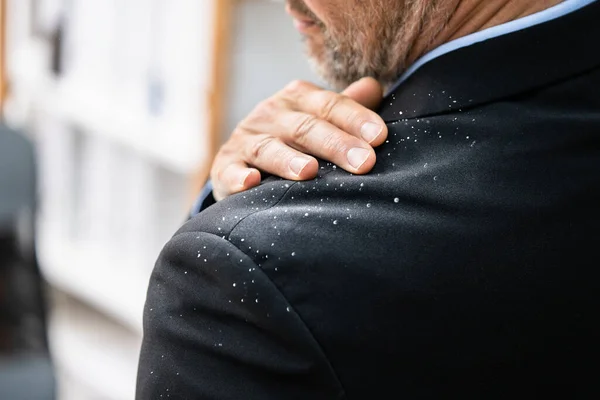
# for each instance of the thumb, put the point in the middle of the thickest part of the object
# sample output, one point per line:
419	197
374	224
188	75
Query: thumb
366	92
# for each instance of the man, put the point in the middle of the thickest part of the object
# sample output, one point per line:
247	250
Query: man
463	265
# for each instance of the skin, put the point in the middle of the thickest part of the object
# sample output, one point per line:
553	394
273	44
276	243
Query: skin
346	41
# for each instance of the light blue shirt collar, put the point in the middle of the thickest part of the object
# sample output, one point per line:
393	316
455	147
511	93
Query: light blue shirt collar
564	8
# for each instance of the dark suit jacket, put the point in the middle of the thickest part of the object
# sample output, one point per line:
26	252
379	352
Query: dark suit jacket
464	266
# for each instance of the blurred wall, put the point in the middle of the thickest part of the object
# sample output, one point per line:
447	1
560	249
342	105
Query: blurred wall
267	53
118	133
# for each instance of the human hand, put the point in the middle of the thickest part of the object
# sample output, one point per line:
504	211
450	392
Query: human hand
282	133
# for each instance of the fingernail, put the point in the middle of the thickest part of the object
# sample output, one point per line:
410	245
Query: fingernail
243	177
370	131
357	157
298	164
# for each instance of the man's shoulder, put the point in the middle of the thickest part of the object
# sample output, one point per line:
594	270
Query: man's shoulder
465	219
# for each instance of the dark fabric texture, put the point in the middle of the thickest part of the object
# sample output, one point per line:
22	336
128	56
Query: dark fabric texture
464	266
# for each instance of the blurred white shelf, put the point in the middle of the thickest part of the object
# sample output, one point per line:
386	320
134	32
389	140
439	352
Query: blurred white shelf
116	287
174	143
169	142
118	137
86	368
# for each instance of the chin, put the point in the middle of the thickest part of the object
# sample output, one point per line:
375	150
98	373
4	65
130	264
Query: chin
326	76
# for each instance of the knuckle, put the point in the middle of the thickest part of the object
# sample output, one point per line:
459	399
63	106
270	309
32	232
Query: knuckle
296	86
302	129
232	148
224	158
234	137
220	158
329	102
279	158
258	149
333	144
355	119
267	106
262	112
218	174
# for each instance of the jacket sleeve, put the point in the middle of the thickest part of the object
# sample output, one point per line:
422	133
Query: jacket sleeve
215	327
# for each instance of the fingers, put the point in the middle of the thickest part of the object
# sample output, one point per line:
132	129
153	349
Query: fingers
275	157
323	140
233	178
366	92
282	133
341	110
231	172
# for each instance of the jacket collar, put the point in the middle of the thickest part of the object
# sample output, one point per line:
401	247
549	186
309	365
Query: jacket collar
501	67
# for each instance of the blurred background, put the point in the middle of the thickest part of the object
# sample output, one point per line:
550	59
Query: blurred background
112	111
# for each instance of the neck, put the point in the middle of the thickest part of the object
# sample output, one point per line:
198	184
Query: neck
458	18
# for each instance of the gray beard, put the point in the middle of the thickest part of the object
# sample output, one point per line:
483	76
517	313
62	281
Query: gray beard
340	66
379	49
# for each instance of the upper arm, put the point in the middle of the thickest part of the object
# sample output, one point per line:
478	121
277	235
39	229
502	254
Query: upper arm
215	327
